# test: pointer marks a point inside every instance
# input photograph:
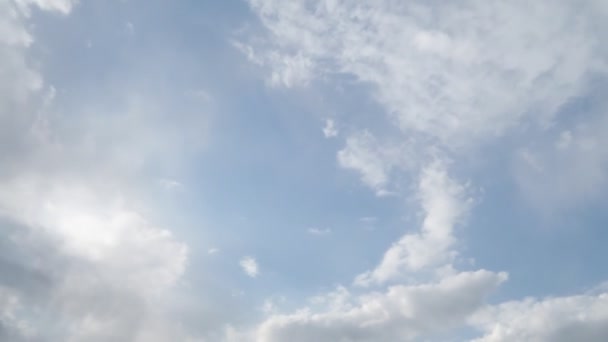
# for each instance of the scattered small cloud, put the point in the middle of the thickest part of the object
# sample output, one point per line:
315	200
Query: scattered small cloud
319	231
213	251
330	130
368	219
250	266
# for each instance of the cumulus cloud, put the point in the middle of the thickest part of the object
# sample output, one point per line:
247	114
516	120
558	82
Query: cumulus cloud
97	229
77	243
249	266
560	319
402	313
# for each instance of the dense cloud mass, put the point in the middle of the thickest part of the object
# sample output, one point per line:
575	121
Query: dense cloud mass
79	261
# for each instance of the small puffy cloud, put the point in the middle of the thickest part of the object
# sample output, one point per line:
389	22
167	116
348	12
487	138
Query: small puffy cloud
100	265
249	266
212	251
318	231
330	130
78	242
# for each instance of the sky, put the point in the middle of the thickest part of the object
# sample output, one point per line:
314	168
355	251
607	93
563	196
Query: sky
305	170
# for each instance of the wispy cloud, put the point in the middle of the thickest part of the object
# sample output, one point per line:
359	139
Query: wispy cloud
170	184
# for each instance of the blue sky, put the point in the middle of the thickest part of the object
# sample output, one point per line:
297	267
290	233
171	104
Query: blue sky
328	170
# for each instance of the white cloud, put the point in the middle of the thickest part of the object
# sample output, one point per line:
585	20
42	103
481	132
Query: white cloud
249	266
459	73
402	313
212	251
100	230
561	319
374	161
444	204
330	130
78	239
62	6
